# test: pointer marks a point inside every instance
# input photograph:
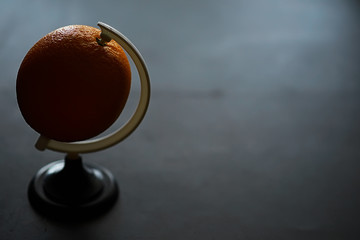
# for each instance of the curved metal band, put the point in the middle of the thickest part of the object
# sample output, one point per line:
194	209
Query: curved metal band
108	33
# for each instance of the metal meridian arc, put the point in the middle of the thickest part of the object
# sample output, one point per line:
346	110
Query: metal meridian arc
108	33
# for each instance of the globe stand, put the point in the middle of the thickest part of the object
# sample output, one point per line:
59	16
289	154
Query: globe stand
70	188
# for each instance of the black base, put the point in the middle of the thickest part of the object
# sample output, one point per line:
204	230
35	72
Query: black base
70	189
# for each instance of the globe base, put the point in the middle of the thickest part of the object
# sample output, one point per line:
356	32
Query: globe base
68	189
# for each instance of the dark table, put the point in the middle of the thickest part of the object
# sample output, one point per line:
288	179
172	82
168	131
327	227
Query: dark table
252	130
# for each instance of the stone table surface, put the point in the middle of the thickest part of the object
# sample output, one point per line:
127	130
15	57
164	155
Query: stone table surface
252	130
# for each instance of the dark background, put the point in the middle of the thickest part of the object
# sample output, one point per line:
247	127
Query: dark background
252	131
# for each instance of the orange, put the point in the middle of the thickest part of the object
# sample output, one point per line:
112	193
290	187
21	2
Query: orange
71	88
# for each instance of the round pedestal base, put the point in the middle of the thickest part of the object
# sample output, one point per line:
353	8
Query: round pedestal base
68	189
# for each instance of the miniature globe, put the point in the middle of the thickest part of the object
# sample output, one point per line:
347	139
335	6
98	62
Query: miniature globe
71	86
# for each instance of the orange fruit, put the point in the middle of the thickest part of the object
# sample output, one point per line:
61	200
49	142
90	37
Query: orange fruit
71	88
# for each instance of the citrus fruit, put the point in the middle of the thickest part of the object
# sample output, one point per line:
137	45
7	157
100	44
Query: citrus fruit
70	87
